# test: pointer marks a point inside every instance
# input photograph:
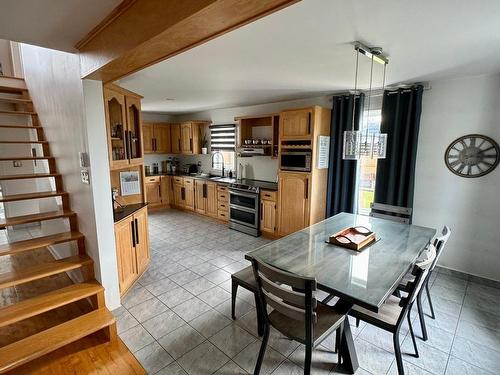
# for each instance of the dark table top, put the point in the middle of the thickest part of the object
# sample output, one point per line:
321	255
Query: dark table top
127	210
365	278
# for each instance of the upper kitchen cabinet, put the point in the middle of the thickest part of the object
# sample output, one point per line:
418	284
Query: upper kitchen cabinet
123	125
157	138
190	136
296	124
175	136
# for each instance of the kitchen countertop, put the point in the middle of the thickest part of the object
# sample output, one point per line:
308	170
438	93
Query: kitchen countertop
267	185
127	211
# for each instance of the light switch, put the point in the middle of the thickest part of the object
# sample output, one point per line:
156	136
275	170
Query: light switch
84	159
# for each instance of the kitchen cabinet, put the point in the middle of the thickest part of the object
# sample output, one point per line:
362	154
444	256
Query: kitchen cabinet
166	190
123	125
222	203
206	198
268	212
295	124
184	193
156	138
293	201
153	190
132	248
187	144
189	194
175	136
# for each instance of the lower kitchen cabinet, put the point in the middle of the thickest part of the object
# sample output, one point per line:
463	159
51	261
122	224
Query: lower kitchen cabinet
184	193
166	190
132	248
268	212
293	201
189	194
153	190
206	198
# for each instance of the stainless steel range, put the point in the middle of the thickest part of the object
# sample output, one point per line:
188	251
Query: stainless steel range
244	208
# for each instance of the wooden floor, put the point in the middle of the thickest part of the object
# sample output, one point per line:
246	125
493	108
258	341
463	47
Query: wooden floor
90	355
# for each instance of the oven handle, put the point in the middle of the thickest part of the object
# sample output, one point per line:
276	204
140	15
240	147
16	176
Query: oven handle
241	194
246	209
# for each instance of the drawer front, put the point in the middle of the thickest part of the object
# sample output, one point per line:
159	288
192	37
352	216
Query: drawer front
268	195
153	179
223	206
188	181
223	196
178	180
222	188
223	215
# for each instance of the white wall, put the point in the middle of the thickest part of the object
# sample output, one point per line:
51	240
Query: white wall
257	167
53	78
470	207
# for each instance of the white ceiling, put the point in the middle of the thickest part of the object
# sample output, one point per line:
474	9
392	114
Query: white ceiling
305	50
56	24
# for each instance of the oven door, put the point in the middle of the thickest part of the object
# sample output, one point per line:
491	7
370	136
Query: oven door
243	200
295	161
244	216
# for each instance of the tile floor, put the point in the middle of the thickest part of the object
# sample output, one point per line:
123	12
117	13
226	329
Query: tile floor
176	320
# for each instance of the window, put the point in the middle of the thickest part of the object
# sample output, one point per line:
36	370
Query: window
367	171
222	146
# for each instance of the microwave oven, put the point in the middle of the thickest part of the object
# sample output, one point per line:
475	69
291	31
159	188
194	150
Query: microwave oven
296	160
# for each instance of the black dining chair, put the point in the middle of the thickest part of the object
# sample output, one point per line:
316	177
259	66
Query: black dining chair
389	212
393	312
439	245
295	311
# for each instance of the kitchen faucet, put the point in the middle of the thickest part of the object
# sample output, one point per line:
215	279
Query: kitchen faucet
222	156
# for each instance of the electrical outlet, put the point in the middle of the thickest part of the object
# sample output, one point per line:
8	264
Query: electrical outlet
17	163
84	173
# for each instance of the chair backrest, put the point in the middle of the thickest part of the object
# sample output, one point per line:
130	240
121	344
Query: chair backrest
394	213
289	294
439	243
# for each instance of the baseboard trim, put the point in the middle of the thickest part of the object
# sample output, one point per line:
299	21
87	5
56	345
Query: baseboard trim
469	277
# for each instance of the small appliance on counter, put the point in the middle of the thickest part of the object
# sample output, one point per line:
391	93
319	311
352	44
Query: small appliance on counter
155	168
190	169
147	170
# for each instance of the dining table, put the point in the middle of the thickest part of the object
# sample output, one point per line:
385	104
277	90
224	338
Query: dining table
365	277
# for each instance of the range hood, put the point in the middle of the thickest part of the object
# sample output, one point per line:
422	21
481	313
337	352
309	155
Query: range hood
250	151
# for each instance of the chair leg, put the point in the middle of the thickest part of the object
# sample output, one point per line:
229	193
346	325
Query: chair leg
421	317
433	316
234	289
260	315
308	359
357	322
262	350
412	333
397	351
338	338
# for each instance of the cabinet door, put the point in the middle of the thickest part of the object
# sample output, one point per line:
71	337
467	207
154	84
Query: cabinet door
189	197
125	254
295	124
165	184
148	138
178	195
141	240
116	126
134	129
186	138
211	199
175	134
200	196
293	202
153	193
162	139
267	216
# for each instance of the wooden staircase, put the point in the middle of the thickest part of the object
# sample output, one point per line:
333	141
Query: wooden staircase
85	299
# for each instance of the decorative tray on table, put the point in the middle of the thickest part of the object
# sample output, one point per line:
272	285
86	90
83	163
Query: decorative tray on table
354	238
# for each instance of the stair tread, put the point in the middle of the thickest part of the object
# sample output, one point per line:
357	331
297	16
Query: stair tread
39	271
48	301
27	176
26	219
37	195
24	113
44	342
36	243
19	126
26	158
15	100
23	142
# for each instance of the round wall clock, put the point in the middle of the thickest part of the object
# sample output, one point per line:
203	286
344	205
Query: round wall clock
472	155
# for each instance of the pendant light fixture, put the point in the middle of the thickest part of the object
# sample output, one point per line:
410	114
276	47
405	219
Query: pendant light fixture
374	145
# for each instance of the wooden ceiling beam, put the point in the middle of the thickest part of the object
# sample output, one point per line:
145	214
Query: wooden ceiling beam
140	33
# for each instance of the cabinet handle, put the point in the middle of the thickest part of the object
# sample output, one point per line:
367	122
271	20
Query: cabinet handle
133	233
153	144
309	123
127	145
204	190
183	193
179	144
267	195
191	144
130	156
261	211
306	191
136	232
159	191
